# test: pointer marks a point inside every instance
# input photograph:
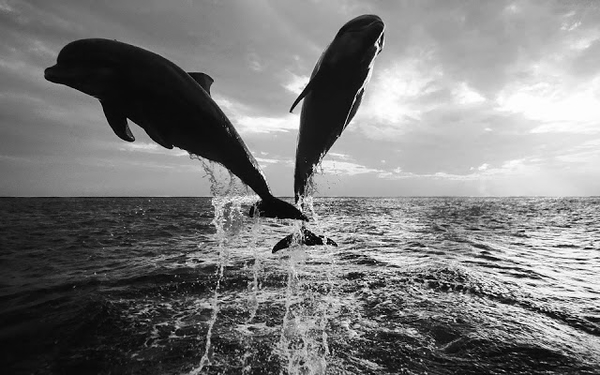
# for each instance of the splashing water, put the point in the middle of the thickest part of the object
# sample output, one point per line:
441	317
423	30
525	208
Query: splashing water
254	286
303	342
229	194
303	346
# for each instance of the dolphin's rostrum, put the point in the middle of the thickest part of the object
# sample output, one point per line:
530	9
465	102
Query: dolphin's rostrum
174	107
331	99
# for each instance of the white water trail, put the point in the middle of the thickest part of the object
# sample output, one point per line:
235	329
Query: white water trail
303	342
254	285
303	345
253	288
219	206
229	193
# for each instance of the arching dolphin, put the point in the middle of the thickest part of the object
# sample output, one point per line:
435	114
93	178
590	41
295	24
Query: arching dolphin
172	106
331	99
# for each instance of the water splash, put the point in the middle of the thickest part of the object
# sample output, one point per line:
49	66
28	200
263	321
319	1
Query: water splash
303	342
254	286
229	194
303	345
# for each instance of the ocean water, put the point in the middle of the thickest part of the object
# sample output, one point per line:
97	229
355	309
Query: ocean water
190	286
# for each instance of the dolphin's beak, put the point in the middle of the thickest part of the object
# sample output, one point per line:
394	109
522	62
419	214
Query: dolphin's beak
377	26
64	75
52	74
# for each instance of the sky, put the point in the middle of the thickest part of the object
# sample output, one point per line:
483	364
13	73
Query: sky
468	98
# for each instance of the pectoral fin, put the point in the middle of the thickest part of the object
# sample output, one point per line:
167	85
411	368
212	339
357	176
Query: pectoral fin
159	138
313	84
355	105
117	121
203	80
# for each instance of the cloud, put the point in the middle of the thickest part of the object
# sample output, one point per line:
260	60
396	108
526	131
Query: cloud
393	96
557	104
345	168
296	83
465	97
339	156
483	172
254	62
150	148
584	158
258	124
273	161
464	94
246	121
483	167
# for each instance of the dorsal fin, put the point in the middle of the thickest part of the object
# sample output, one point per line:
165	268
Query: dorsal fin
203	80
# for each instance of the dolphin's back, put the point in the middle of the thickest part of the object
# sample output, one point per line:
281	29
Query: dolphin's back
322	121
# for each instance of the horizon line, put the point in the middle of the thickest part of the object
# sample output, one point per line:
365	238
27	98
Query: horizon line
291	197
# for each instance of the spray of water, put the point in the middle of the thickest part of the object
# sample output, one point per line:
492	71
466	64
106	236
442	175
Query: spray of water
303	345
254	285
229	194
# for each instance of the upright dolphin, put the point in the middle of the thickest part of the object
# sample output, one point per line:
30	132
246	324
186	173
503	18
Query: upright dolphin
331	99
174	107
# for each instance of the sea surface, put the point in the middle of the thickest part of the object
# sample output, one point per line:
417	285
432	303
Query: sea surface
190	286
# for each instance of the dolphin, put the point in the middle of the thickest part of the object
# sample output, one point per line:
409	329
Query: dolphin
331	99
174	107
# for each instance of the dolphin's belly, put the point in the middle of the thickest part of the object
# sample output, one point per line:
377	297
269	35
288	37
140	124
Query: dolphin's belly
179	125
201	130
322	121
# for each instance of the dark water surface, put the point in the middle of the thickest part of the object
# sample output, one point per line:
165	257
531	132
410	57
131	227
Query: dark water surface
417	285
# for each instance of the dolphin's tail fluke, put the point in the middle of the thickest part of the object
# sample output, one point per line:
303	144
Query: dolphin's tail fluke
276	208
305	237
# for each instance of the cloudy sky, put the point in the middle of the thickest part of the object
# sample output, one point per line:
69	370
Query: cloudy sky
477	98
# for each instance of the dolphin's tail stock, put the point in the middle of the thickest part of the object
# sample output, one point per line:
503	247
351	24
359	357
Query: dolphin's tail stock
276	208
305	237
